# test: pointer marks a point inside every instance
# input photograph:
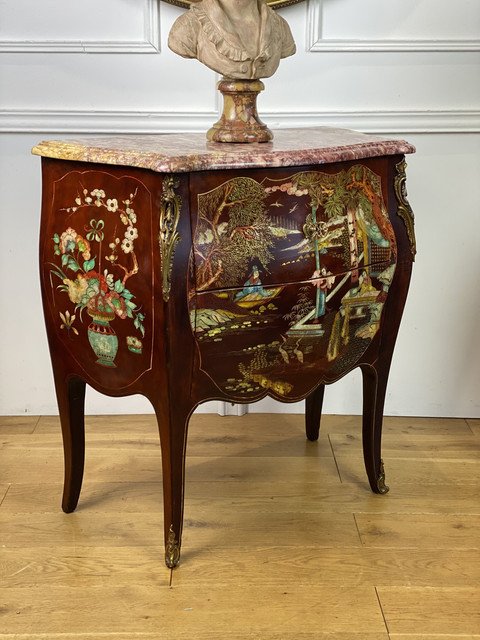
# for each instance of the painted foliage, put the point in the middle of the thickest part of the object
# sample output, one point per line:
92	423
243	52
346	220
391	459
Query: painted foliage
290	276
94	272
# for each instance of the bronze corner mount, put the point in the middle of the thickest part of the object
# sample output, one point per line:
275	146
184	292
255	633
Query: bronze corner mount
168	235
405	211
172	550
381	486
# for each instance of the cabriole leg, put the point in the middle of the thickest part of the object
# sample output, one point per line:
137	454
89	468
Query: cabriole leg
375	379
313	412
71	405
374	390
173	426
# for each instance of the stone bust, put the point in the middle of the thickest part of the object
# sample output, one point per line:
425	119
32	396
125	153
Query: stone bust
240	39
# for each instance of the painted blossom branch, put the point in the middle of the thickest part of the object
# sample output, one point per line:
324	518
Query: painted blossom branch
131	272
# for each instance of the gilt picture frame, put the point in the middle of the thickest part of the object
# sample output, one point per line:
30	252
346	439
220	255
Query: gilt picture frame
275	4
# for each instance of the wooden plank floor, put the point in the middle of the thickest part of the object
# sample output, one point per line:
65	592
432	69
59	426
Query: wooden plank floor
283	539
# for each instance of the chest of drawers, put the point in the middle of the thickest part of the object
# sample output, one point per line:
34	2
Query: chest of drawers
189	271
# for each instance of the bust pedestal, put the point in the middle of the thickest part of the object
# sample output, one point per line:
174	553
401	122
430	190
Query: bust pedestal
239	121
189	271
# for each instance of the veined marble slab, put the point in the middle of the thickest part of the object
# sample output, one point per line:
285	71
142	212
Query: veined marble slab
182	152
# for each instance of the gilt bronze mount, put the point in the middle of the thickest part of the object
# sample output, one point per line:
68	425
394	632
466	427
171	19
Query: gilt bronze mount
404	209
172	550
168	236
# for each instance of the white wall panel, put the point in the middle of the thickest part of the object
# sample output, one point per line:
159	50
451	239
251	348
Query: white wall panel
393	25
163	81
408	68
56	26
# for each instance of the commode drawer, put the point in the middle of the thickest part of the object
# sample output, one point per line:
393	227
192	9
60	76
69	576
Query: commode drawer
279	228
286	338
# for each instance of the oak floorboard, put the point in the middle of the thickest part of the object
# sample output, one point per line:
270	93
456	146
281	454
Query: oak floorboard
84	565
428	636
418	471
425	531
283	608
26	465
436	447
139	424
396	425
474	424
273	425
428	610
261	497
199	445
276	544
348	566
268	425
307	470
122	465
16	425
226	529
168	634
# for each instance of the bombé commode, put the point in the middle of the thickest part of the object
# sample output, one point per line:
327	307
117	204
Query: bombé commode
188	271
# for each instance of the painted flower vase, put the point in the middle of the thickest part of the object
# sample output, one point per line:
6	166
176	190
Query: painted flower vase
103	338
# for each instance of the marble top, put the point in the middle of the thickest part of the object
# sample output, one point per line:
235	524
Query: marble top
182	152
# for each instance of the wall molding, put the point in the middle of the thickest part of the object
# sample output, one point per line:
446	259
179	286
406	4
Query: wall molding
104	121
382	121
150	43
316	43
74	121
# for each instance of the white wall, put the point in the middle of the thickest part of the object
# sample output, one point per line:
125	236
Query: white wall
408	68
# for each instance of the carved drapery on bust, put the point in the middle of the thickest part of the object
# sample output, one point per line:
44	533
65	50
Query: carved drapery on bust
231	47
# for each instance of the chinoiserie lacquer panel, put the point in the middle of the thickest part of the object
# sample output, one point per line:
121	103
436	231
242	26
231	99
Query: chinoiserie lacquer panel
290	229
290	278
99	289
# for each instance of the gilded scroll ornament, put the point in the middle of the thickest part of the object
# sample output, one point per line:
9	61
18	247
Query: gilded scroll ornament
168	236
172	550
404	209
381	486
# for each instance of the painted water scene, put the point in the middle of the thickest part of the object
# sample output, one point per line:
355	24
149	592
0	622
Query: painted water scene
290	276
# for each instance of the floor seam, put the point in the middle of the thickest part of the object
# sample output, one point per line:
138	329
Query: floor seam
468	425
335	459
5	495
381	609
358	530
36	425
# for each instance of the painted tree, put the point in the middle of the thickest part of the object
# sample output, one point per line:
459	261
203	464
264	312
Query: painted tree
371	218
302	307
327	192
355	196
232	230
